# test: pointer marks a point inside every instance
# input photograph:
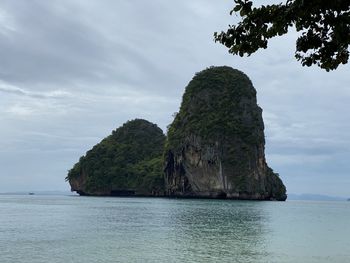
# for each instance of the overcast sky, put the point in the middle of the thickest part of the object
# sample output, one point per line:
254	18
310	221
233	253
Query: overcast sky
73	71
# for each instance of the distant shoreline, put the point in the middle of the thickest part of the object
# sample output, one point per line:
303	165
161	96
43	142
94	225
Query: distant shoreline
291	197
39	193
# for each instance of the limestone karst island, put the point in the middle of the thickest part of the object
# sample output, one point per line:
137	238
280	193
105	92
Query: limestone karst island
213	149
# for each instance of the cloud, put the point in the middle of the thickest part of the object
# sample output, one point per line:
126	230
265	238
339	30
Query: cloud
7	24
55	94
298	159
20	110
73	71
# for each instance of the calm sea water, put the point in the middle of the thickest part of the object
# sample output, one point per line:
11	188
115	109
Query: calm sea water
87	229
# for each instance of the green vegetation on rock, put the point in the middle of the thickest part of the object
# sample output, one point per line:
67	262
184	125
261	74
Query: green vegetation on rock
127	162
214	149
214	107
215	145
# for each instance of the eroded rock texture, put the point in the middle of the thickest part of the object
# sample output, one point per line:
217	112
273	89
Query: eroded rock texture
215	145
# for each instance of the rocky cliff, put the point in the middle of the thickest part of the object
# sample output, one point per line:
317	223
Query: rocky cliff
215	145
128	162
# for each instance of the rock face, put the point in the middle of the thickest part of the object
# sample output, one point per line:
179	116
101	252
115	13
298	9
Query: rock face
128	162
215	145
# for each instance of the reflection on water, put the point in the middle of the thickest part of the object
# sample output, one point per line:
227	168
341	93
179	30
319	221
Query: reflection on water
87	229
225	230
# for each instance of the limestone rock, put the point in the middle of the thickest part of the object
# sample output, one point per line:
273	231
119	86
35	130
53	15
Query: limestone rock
128	162
215	145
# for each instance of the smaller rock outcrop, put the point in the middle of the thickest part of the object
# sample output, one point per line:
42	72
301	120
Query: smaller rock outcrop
126	163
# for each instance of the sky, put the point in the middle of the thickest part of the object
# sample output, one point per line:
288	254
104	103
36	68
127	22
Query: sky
71	71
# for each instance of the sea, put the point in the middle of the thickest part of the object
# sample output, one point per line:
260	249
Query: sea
57	229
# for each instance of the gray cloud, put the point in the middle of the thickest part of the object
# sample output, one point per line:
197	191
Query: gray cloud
72	71
55	94
50	44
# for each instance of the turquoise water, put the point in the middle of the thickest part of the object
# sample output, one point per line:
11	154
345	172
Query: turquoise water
87	229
